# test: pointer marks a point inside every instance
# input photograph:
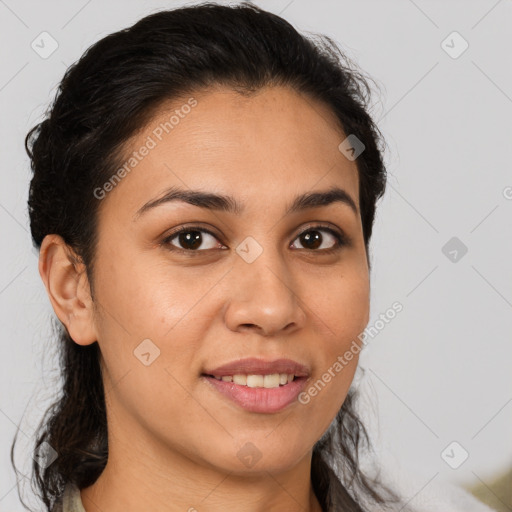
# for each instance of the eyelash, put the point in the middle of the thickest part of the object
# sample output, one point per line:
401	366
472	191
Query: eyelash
341	239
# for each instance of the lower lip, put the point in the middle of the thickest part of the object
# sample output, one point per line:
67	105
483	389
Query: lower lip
264	400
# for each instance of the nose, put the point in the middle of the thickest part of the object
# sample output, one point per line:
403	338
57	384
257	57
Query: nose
264	298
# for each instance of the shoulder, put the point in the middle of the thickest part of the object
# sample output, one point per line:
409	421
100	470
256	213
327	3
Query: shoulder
449	497
421	492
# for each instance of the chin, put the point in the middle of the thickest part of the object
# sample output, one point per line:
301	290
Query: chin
259	457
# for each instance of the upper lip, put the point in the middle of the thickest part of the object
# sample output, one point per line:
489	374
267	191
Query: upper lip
256	366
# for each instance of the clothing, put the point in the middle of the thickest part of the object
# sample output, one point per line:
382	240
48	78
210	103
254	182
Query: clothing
420	489
435	497
70	501
427	494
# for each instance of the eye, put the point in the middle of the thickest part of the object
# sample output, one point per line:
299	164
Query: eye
312	239
196	239
192	238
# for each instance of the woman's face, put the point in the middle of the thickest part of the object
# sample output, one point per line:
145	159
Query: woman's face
170	309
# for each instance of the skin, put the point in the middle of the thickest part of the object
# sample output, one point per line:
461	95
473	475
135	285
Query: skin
173	441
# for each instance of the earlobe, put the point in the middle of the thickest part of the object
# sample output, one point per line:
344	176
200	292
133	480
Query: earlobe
68	289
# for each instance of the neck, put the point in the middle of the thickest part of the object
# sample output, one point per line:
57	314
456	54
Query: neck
163	480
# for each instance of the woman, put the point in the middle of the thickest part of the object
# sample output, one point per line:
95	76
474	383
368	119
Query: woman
203	197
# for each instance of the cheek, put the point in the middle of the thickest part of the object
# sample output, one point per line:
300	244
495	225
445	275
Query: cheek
152	324
342	314
341	307
143	300
149	297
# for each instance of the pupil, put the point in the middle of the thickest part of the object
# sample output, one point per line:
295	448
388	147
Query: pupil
190	239
311	241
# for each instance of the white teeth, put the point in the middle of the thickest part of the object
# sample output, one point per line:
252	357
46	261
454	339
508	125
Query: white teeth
255	381
240	379
273	380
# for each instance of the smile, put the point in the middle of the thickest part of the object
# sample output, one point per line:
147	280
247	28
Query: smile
273	380
258	393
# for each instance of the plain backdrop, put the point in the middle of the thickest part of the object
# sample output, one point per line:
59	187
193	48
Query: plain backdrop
439	372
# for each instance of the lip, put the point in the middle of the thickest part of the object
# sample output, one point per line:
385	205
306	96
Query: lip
260	400
257	366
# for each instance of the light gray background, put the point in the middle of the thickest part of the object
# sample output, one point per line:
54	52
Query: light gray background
440	371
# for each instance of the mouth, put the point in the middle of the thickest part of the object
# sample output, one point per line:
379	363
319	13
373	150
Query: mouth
268	381
258	385
266	394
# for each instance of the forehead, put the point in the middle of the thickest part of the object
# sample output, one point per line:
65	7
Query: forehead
274	142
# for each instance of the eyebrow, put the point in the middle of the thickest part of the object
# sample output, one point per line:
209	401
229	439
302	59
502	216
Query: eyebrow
229	204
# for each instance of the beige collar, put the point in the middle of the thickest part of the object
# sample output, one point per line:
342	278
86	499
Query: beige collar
71	500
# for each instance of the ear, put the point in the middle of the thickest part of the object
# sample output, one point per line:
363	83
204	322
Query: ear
67	285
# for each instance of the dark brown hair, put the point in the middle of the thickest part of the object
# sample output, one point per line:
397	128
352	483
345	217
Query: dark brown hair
109	94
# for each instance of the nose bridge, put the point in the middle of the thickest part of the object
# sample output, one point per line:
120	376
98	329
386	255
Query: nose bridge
263	294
